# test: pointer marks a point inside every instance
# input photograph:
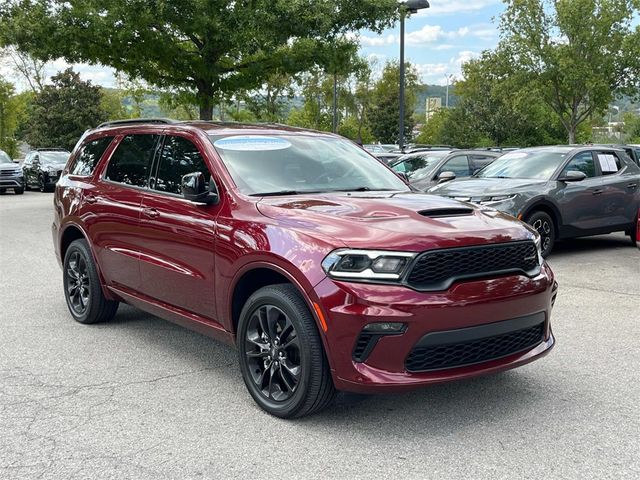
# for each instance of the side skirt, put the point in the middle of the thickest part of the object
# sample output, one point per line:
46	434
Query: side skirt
175	315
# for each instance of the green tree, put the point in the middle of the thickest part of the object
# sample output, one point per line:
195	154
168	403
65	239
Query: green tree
206	46
7	118
270	102
632	127
385	108
580	53
63	111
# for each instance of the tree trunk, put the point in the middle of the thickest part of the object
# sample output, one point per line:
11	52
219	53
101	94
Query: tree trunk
572	135
205	102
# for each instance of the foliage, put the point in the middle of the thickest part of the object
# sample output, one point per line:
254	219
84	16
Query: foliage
61	113
385	110
13	112
579	53
26	66
204	46
632	128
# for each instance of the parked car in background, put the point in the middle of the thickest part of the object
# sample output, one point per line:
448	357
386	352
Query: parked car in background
631	150
387	158
11	176
428	168
42	168
422	148
562	192
376	148
323	267
638	230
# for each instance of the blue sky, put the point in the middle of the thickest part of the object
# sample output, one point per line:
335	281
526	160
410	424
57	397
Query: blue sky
439	40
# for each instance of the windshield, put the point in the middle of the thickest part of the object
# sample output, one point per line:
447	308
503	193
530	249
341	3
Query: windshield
536	164
290	164
49	158
420	166
4	158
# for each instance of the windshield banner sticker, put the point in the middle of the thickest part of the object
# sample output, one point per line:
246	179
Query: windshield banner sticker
252	143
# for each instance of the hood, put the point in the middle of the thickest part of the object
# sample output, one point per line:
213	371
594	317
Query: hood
485	187
392	221
54	166
10	166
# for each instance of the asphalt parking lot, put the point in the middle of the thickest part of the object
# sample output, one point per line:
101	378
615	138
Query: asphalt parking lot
142	398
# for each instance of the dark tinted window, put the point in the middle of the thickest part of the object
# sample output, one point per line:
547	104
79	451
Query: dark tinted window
458	165
89	156
481	161
583	162
179	157
130	162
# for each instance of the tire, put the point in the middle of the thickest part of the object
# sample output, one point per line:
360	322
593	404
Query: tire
41	185
544	225
86	302
285	316
2	190
18	191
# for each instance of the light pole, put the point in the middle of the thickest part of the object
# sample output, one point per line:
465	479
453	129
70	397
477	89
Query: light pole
410	6
449	77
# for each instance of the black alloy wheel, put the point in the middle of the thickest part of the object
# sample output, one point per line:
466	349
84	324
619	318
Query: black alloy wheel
272	348
82	287
281	354
544	225
77	283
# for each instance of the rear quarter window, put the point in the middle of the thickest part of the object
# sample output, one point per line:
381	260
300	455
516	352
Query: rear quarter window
89	156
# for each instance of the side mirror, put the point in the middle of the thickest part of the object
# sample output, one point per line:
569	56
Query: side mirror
573	176
194	189
446	177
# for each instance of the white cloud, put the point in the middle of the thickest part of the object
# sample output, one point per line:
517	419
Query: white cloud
435	73
429	34
457	7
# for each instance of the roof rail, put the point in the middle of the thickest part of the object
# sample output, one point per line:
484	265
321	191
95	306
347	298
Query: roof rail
138	121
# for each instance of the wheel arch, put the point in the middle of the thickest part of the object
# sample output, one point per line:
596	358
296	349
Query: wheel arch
548	208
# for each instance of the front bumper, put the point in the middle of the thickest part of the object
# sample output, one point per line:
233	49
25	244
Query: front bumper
466	307
12	181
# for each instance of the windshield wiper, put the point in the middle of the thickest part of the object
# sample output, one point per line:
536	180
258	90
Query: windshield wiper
365	189
284	192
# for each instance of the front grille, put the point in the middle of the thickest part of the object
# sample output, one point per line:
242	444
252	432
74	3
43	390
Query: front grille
438	269
440	357
9	173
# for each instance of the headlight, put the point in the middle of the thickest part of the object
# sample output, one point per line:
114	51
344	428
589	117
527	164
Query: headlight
367	264
496	199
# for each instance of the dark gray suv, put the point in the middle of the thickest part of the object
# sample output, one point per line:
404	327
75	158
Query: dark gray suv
562	191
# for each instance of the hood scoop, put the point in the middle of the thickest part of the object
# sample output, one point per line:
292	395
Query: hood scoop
446	212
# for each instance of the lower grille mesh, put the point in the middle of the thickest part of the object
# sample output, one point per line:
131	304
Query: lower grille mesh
439	357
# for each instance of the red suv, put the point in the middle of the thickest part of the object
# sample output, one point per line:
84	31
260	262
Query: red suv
323	266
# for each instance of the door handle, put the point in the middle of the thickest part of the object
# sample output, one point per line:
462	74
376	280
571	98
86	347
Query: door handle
151	212
632	185
91	199
597	191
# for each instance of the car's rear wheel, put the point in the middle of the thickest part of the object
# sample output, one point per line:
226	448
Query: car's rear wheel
18	191
544	225
281	355
82	288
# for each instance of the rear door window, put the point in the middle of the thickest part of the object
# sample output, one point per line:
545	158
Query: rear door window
88	158
131	160
179	157
609	163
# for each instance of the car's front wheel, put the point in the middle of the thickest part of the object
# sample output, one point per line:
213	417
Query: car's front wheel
544	225
18	191
82	288
281	355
